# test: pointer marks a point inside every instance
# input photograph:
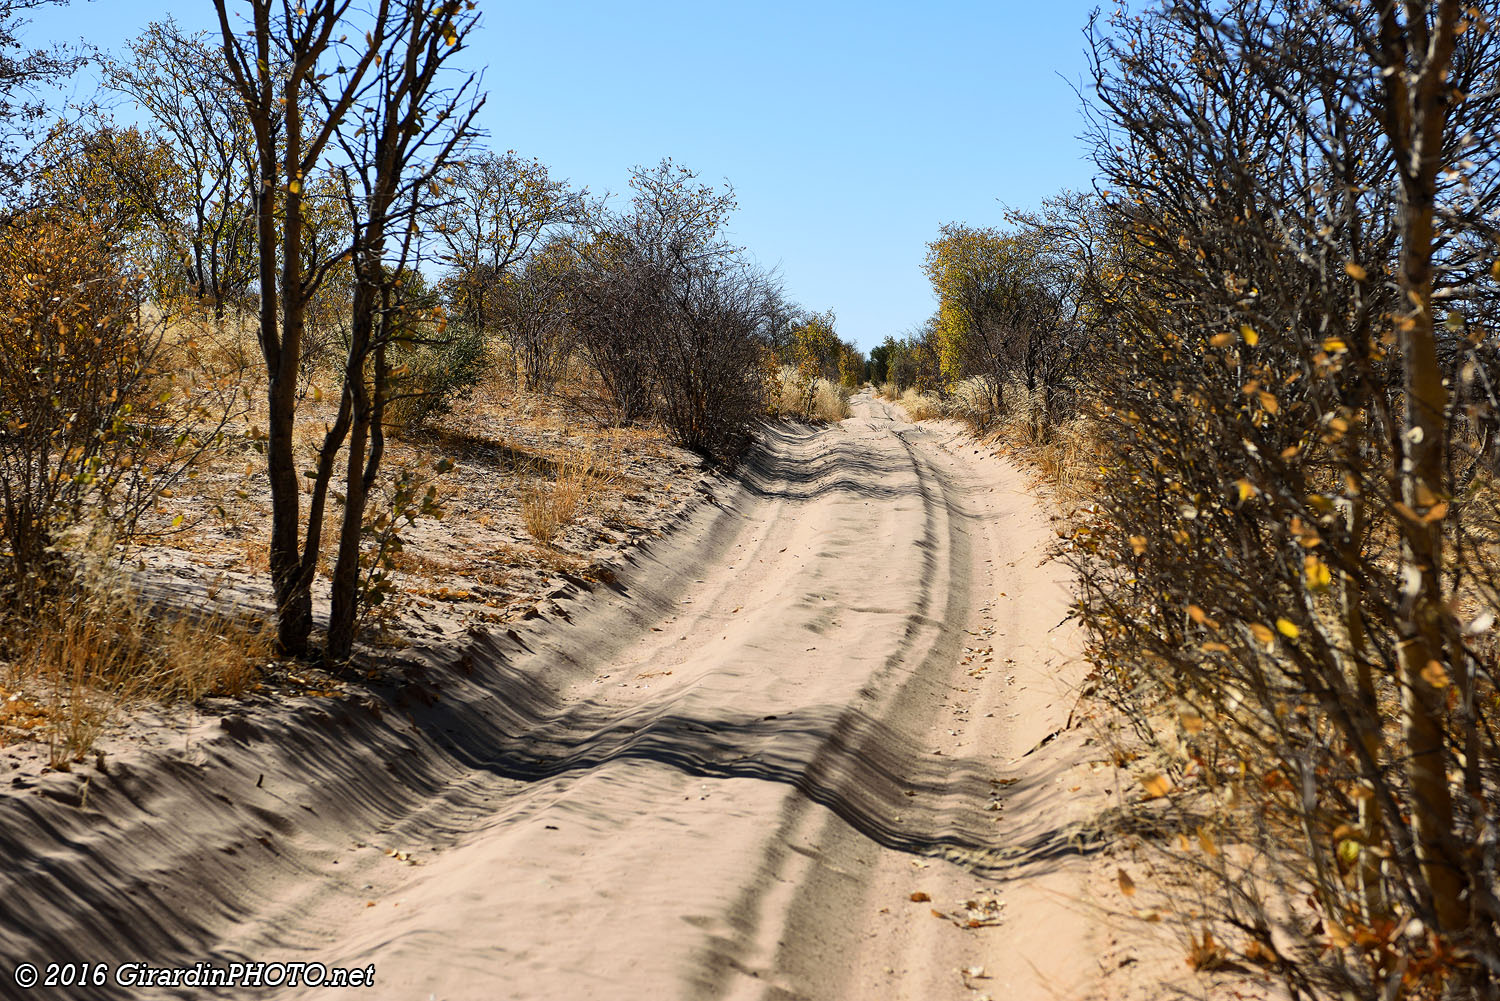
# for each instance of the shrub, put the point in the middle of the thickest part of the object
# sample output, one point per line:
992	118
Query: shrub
441	364
1286	562
93	421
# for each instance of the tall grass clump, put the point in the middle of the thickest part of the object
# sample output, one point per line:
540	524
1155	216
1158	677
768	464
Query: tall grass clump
551	503
830	401
96	645
920	406
793	393
974	401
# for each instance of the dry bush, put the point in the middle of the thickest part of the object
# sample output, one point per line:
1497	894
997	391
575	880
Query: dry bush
98	644
99	413
888	391
1293	558
1067	458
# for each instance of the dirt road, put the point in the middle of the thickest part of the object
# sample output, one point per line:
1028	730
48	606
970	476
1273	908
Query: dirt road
734	774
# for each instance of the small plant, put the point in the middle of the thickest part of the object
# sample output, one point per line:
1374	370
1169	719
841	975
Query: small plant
412	495
549	506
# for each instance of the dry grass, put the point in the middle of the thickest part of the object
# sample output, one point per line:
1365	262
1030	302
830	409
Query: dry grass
793	396
548	506
1066	458
1064	454
99	646
830	402
921	406
973	402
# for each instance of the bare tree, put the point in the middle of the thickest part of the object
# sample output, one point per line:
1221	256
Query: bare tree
178	80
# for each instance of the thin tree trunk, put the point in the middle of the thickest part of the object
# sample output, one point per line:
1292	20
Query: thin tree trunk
1416	59
343	618
1372	829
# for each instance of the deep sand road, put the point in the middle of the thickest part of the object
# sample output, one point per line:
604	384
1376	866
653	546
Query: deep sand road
724	777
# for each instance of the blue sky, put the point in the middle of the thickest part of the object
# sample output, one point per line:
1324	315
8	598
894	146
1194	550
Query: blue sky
850	131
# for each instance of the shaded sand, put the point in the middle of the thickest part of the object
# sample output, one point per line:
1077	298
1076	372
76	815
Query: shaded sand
724	775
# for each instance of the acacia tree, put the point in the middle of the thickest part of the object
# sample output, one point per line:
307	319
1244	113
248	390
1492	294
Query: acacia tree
95	420
705	353
1064	241
381	104
813	350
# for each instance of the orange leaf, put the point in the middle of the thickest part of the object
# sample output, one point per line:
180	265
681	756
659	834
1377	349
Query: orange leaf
1435	674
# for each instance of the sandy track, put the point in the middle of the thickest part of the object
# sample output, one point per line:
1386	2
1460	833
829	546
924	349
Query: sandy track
723	777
